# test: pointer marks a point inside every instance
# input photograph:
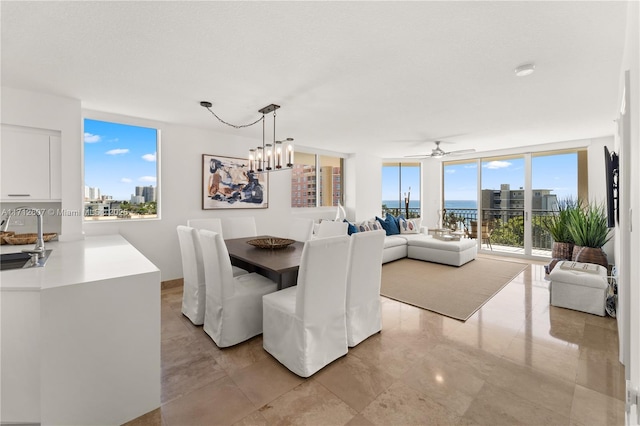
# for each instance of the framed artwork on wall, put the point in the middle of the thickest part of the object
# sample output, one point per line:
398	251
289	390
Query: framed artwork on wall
228	184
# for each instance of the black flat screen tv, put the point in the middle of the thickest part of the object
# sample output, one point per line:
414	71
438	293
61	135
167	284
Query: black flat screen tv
611	166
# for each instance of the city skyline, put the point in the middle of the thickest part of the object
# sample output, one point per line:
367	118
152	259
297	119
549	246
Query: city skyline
88	190
119	157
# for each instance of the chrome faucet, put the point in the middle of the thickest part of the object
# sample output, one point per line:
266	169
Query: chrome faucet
39	247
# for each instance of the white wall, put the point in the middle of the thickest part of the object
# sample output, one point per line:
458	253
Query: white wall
363	192
431	187
628	230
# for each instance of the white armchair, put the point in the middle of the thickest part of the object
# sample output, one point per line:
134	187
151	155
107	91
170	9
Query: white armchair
193	290
301	229
233	311
215	225
305	326
239	227
363	286
329	228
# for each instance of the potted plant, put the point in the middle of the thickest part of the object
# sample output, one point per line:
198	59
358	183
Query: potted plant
558	227
588	228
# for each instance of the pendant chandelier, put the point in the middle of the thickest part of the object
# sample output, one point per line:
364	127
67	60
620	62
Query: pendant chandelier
274	156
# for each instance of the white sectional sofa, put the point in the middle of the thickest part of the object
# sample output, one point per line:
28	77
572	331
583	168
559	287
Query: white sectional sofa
415	243
424	247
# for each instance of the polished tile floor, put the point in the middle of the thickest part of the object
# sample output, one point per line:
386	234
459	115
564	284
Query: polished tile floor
517	360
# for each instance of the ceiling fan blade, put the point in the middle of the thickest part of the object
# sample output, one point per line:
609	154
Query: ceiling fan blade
461	151
417	156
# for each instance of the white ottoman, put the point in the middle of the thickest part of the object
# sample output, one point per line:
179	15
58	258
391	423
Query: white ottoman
455	253
579	286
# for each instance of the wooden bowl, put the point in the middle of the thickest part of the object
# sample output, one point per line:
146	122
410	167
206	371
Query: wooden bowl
5	234
21	239
271	243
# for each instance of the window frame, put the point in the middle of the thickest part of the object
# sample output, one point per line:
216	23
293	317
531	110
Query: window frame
401	191
127	121
316	181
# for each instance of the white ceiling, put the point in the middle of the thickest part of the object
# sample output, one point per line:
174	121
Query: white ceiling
350	76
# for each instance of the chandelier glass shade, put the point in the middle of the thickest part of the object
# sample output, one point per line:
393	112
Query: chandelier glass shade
274	156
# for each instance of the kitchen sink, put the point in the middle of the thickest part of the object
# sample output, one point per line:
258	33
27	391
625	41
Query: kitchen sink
20	260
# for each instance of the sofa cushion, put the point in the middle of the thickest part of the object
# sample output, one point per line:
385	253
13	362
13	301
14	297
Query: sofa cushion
435	243
394	241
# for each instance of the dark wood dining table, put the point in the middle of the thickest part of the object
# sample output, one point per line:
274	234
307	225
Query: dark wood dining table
280	265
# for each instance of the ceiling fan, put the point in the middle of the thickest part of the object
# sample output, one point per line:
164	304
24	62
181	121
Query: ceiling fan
438	152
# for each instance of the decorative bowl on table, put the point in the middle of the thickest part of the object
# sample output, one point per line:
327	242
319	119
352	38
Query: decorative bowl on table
20	239
271	243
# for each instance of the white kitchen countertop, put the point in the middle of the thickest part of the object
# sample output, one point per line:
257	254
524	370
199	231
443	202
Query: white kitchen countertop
74	262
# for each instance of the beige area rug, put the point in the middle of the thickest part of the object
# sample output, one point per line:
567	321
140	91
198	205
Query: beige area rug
456	292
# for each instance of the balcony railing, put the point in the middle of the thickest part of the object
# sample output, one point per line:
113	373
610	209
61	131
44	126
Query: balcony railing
507	226
395	211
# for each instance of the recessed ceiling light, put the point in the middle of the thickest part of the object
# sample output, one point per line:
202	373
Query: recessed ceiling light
525	69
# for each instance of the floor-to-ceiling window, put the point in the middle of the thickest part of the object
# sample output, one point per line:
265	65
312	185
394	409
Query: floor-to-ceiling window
460	193
554	178
506	197
401	189
502	202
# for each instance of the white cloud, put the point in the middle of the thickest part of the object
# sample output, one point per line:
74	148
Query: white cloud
126	180
147	179
91	138
497	164
149	157
450	171
470	166
117	151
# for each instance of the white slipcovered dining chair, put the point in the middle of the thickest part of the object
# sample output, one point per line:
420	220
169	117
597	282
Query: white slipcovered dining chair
233	310
212	224
329	228
215	225
364	275
193	289
301	229
239	227
304	327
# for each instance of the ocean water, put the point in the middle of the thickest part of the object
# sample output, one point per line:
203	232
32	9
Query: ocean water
448	204
460	204
393	204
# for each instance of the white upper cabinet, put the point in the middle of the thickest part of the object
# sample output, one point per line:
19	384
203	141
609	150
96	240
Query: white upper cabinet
30	160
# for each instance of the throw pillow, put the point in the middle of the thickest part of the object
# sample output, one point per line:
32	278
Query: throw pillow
394	229
374	225
389	225
410	226
363	226
351	228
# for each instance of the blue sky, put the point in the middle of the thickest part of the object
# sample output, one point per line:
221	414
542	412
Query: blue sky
119	157
558	173
391	182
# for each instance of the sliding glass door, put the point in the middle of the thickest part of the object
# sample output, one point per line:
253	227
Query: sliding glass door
502	211
554	181
514	193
